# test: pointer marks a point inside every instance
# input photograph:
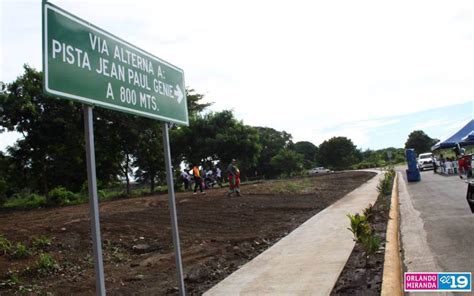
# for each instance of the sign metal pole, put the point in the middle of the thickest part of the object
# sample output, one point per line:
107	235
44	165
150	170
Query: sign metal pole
94	201
172	207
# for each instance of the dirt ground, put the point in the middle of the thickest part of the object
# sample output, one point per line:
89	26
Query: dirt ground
218	235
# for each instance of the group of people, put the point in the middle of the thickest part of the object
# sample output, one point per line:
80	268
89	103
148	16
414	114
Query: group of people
461	166
206	179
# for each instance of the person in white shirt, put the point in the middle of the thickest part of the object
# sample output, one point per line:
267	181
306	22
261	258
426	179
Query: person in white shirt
219	176
186	178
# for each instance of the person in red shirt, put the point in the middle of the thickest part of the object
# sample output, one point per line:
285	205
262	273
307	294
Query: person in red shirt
461	166
234	178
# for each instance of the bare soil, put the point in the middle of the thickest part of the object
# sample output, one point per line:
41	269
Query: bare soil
218	235
357	278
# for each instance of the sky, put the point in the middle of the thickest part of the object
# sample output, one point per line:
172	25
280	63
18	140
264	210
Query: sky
372	71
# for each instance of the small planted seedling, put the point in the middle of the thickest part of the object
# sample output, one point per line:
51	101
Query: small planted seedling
20	251
369	213
11	281
370	243
358	225
5	246
46	263
42	242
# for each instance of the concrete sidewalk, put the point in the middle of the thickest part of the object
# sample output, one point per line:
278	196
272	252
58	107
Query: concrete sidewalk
309	260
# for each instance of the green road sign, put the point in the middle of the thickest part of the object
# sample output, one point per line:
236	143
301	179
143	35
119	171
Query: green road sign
87	64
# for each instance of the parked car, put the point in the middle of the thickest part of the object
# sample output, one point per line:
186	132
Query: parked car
425	161
318	170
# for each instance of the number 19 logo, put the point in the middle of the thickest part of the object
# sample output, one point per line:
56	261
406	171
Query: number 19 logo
455	281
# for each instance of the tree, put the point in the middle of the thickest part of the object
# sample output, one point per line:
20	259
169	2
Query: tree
217	136
337	153
52	150
125	130
287	162
109	140
149	157
3	177
308	150
272	142
195	104
420	141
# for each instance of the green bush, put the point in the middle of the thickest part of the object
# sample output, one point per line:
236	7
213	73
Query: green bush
3	190
370	243
369	213
385	184
363	234
60	196
140	192
25	201
369	164
105	194
358	225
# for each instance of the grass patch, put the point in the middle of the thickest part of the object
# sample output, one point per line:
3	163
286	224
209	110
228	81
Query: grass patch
295	186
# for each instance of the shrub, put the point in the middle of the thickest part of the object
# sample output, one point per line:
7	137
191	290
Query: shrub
140	192
35	201
385	184
25	201
363	234
369	213
46	263
110	194
359	225
370	243
60	196
3	190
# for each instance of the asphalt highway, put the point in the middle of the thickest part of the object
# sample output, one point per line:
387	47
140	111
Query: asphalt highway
437	226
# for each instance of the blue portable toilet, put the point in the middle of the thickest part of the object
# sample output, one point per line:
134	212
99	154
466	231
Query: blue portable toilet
413	174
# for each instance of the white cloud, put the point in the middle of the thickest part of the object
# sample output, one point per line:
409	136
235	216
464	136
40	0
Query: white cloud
358	131
8	139
440	122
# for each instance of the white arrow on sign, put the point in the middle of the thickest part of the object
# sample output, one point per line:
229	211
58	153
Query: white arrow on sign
179	94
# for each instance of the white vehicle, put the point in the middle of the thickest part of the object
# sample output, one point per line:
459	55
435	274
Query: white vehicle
425	161
318	170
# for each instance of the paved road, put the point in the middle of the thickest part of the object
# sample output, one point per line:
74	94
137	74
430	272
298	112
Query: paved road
437	226
309	260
